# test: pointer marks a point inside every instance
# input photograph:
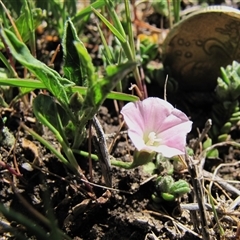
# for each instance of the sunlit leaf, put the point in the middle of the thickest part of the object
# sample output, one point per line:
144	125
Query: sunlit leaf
114	30
49	77
86	67
102	87
35	84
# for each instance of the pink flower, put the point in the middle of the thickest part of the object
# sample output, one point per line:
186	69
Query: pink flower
156	126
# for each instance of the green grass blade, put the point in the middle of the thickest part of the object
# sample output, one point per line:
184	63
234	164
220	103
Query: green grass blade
220	228
106	51
30	28
72	64
115	18
176	10
129	28
86	68
87	11
115	31
8	65
29	224
49	77
22	23
99	91
35	84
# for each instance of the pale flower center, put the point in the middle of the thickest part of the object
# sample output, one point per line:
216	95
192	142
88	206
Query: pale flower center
152	138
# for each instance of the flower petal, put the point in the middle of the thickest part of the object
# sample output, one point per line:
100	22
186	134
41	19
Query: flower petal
136	139
132	114
175	137
174	118
155	111
168	151
133	117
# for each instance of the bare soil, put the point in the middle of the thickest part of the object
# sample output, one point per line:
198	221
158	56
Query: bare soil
126	212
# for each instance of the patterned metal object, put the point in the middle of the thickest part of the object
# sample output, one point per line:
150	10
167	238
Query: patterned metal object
200	44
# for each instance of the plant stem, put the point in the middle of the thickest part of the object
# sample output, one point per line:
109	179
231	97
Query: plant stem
85	154
222	233
85	116
121	164
169	14
113	161
176	10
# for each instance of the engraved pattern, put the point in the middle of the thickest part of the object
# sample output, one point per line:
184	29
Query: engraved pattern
197	49
232	30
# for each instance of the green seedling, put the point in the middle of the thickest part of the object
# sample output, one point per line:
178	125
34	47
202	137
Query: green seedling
212	153
148	51
226	111
167	189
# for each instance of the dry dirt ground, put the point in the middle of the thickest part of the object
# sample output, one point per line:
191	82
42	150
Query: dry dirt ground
127	212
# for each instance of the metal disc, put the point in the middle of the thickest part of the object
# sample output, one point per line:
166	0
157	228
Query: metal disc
200	44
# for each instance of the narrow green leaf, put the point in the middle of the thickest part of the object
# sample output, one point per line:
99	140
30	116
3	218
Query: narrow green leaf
23	25
129	27
46	143
86	67
35	84
115	32
72	69
99	91
32	227
10	69
18	82
49	77
30	28
87	11
114	16
176	10
225	76
106	51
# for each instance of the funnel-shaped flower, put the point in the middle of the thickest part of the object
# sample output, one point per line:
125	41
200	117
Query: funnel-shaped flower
156	126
